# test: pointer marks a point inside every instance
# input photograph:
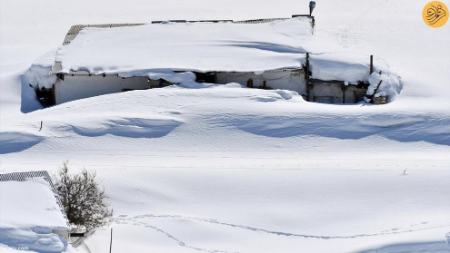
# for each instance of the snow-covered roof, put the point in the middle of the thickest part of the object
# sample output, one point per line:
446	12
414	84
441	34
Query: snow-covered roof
198	46
27	200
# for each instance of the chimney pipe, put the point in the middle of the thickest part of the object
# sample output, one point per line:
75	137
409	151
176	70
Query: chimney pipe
312	5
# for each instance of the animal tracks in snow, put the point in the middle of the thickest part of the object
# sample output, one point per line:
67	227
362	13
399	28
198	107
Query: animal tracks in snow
184	244
132	221
136	220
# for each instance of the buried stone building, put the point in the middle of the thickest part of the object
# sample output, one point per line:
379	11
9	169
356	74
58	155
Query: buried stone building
262	53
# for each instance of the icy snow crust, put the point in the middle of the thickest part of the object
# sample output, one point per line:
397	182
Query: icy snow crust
29	214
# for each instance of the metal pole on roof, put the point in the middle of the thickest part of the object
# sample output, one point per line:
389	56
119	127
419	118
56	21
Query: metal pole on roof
312	5
371	64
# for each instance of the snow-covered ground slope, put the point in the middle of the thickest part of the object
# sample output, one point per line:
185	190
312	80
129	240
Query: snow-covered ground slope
225	169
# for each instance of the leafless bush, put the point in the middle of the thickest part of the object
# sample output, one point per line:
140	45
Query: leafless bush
82	198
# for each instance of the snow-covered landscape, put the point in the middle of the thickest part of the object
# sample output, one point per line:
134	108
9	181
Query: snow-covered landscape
223	168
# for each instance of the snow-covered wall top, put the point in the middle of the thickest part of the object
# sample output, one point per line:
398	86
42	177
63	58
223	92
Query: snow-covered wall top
189	46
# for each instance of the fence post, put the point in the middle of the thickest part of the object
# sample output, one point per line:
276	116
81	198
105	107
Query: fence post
307	78
110	241
307	67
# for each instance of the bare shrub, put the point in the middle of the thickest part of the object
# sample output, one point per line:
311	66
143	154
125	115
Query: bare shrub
82	198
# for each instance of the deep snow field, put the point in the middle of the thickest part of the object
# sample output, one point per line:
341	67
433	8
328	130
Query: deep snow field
226	169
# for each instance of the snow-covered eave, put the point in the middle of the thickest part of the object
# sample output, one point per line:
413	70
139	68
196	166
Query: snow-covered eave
363	83
146	72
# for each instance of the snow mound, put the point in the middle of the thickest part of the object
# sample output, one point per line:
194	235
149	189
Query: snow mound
384	84
126	127
276	95
36	239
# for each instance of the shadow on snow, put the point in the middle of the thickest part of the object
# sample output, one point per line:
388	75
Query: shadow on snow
401	128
